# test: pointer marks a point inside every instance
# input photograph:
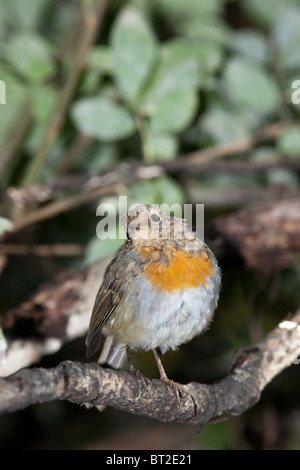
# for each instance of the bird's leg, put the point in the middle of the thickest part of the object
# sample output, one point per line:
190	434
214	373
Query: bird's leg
176	387
134	371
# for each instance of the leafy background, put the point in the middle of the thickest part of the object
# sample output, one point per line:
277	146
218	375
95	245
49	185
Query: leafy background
162	78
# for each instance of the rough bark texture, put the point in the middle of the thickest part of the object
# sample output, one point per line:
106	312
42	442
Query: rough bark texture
90	384
267	235
58	312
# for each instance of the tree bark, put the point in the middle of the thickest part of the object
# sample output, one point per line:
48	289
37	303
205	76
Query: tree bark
252	369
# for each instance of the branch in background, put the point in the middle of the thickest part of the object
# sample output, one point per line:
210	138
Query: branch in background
197	162
241	166
267	235
251	371
78	200
237	196
91	23
25	196
58	312
232	148
57	249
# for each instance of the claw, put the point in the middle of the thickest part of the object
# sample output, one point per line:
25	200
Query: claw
177	388
146	381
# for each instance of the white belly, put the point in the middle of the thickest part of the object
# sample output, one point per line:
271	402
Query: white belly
163	320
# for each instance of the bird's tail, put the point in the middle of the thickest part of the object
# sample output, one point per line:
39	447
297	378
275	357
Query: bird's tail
113	354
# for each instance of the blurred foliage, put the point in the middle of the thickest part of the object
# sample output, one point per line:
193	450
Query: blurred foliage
163	78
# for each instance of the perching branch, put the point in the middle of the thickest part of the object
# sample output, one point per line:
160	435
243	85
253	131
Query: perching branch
251	371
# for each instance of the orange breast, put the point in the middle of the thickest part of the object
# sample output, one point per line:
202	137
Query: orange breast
181	271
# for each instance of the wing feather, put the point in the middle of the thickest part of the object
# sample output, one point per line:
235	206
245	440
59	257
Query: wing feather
108	298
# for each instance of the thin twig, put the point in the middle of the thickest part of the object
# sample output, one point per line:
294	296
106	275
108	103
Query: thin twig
58	207
243	145
65	249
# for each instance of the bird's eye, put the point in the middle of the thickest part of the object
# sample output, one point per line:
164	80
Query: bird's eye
155	218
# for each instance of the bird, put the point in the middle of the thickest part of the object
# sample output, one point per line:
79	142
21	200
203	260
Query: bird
160	290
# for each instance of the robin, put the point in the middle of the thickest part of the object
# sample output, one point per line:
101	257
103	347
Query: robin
160	290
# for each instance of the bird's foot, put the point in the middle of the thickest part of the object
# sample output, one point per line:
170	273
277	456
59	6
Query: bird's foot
145	380
177	388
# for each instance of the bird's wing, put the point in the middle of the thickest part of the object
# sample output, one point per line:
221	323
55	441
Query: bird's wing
109	296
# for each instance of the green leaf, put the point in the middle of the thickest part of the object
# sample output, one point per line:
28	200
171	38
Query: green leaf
195	18
102	118
263	12
209	54
286	25
143	192
190	7
157	191
179	52
99	59
44	99
250	86
133	51
168	191
25	14
5	225
98	249
289	142
165	146
16	96
101	156
224	126
30	55
90	83
175	111
29	12
286	35
205	29
176	70
249	43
